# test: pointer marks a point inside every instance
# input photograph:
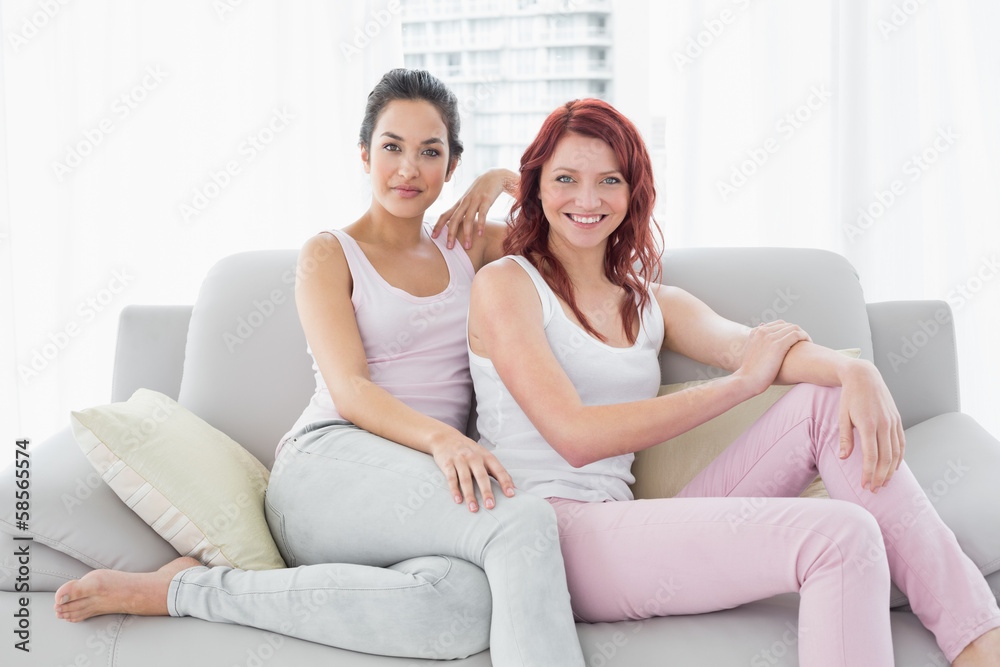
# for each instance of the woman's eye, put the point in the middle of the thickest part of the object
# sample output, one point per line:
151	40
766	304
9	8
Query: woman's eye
390	147
433	152
612	180
564	179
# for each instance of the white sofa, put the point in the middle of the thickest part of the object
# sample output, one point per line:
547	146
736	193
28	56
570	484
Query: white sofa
237	358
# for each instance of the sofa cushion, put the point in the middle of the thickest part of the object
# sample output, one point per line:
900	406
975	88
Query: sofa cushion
73	511
195	486
662	470
246	370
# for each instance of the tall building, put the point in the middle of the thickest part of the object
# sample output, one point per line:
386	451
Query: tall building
510	62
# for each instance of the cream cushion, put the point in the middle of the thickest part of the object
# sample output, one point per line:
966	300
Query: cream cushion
663	470
197	488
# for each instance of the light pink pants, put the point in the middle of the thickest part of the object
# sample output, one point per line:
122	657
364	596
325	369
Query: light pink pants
738	533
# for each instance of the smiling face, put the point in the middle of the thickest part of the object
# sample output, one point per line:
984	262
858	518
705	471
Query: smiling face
583	192
408	160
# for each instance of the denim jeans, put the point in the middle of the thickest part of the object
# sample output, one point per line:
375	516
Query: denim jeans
382	560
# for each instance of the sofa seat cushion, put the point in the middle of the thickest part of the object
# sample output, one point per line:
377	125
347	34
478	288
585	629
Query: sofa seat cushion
759	633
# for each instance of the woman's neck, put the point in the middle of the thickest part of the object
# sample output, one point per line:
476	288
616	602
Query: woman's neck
378	225
583	266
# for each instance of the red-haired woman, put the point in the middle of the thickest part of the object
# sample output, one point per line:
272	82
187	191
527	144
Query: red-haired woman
564	337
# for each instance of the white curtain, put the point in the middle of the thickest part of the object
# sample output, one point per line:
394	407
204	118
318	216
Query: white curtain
143	142
774	122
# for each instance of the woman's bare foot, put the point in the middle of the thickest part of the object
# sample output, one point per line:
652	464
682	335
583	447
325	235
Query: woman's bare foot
115	592
982	652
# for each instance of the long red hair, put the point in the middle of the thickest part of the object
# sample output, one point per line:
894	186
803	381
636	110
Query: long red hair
632	259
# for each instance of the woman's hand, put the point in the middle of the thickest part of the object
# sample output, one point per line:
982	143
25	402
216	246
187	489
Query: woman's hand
866	404
469	212
463	460
764	352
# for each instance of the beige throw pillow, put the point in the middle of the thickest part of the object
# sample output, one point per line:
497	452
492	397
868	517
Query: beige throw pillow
663	470
197	488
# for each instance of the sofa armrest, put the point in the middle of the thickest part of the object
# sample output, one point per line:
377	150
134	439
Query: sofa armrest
914	347
150	350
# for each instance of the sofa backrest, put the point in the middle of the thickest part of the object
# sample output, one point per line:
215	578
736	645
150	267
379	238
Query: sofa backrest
246	370
816	289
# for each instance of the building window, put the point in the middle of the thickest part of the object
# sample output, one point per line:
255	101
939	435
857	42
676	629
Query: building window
561	60
449	33
484	63
414	36
525	62
561	92
525	30
597	26
486	158
598	60
415	61
560	28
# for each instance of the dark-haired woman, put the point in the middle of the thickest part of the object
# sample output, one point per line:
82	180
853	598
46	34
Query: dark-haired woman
372	500
564	338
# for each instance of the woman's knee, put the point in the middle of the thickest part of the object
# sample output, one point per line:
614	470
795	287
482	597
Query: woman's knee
857	537
461	626
525	512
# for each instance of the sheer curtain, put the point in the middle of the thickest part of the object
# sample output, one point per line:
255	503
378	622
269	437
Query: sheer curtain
860	127
143	142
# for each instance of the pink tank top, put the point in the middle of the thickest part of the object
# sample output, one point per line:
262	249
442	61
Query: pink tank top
415	346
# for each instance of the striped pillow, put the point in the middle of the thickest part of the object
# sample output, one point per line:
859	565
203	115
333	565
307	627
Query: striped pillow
192	484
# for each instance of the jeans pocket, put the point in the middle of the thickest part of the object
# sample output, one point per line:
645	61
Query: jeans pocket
276	524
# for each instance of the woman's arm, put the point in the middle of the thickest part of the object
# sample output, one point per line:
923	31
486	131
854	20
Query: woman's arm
505	325
865	404
696	331
323	297
469	212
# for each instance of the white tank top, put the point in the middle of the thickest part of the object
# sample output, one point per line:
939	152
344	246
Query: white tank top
415	345
602	375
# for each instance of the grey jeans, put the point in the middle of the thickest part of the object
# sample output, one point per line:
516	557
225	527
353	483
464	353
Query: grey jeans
355	517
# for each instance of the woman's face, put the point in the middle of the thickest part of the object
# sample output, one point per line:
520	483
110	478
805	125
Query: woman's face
584	194
408	160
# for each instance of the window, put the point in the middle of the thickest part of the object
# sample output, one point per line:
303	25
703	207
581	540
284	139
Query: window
449	33
486	158
561	92
524	30
484	63
561	60
487	127
453	64
597	26
598	60
415	61
525	61
560	27
526	93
